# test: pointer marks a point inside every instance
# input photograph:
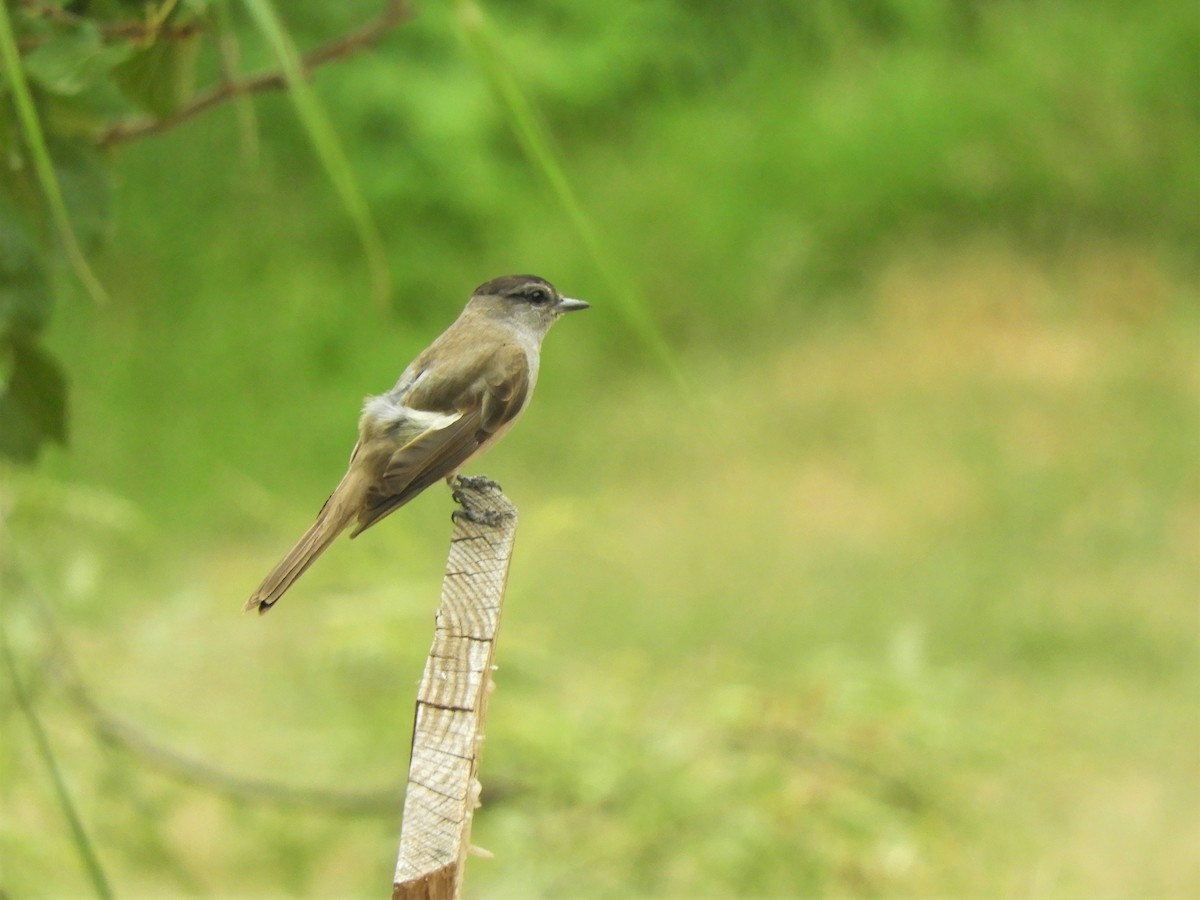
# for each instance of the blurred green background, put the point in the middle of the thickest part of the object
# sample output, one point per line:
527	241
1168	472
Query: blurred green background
894	596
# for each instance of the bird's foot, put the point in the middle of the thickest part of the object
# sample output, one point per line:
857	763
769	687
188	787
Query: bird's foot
465	488
475	483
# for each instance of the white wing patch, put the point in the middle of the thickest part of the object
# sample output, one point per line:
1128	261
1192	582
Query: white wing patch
386	412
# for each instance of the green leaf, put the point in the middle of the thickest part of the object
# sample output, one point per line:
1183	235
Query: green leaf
162	77
33	402
87	189
25	295
73	59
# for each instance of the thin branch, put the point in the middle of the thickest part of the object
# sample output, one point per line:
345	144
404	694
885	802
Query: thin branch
198	773
381	801
117	732
393	14
135	30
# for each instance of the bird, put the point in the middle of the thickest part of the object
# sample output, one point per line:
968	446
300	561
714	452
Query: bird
455	400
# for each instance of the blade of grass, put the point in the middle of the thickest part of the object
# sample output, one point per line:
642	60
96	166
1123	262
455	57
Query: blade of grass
35	141
79	836
538	147
227	48
324	141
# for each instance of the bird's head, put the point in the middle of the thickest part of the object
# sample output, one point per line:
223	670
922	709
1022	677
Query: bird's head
523	300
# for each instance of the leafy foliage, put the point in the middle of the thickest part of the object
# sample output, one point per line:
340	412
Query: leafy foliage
74	71
78	75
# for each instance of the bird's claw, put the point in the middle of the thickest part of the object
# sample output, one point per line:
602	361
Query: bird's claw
477	484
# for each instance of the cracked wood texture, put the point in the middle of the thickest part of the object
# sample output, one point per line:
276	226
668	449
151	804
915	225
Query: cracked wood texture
443	788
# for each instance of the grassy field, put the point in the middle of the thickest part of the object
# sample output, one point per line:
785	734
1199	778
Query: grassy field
896	598
905	608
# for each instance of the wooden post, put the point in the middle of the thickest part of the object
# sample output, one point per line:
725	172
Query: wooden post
443	790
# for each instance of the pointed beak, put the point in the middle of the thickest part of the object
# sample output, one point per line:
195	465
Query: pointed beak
570	304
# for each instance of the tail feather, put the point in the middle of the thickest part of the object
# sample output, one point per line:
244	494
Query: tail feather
331	522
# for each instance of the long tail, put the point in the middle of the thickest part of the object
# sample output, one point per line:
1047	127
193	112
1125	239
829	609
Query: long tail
331	522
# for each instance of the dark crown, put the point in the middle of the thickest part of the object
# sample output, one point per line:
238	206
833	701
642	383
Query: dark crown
511	284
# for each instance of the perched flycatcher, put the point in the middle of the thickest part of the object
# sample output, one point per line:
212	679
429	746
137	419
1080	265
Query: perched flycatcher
452	402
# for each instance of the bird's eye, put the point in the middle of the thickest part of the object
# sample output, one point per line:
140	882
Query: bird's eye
538	295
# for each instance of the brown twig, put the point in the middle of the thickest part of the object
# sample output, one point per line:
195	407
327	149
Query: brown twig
381	801
393	14
136	31
115	731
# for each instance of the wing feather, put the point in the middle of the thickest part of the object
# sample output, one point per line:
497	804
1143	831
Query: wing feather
486	406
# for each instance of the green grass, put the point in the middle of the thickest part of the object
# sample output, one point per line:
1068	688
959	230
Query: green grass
902	604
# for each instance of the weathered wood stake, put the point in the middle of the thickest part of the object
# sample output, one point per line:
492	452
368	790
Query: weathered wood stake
443	790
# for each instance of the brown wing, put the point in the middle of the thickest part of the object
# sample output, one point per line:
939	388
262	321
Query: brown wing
488	404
